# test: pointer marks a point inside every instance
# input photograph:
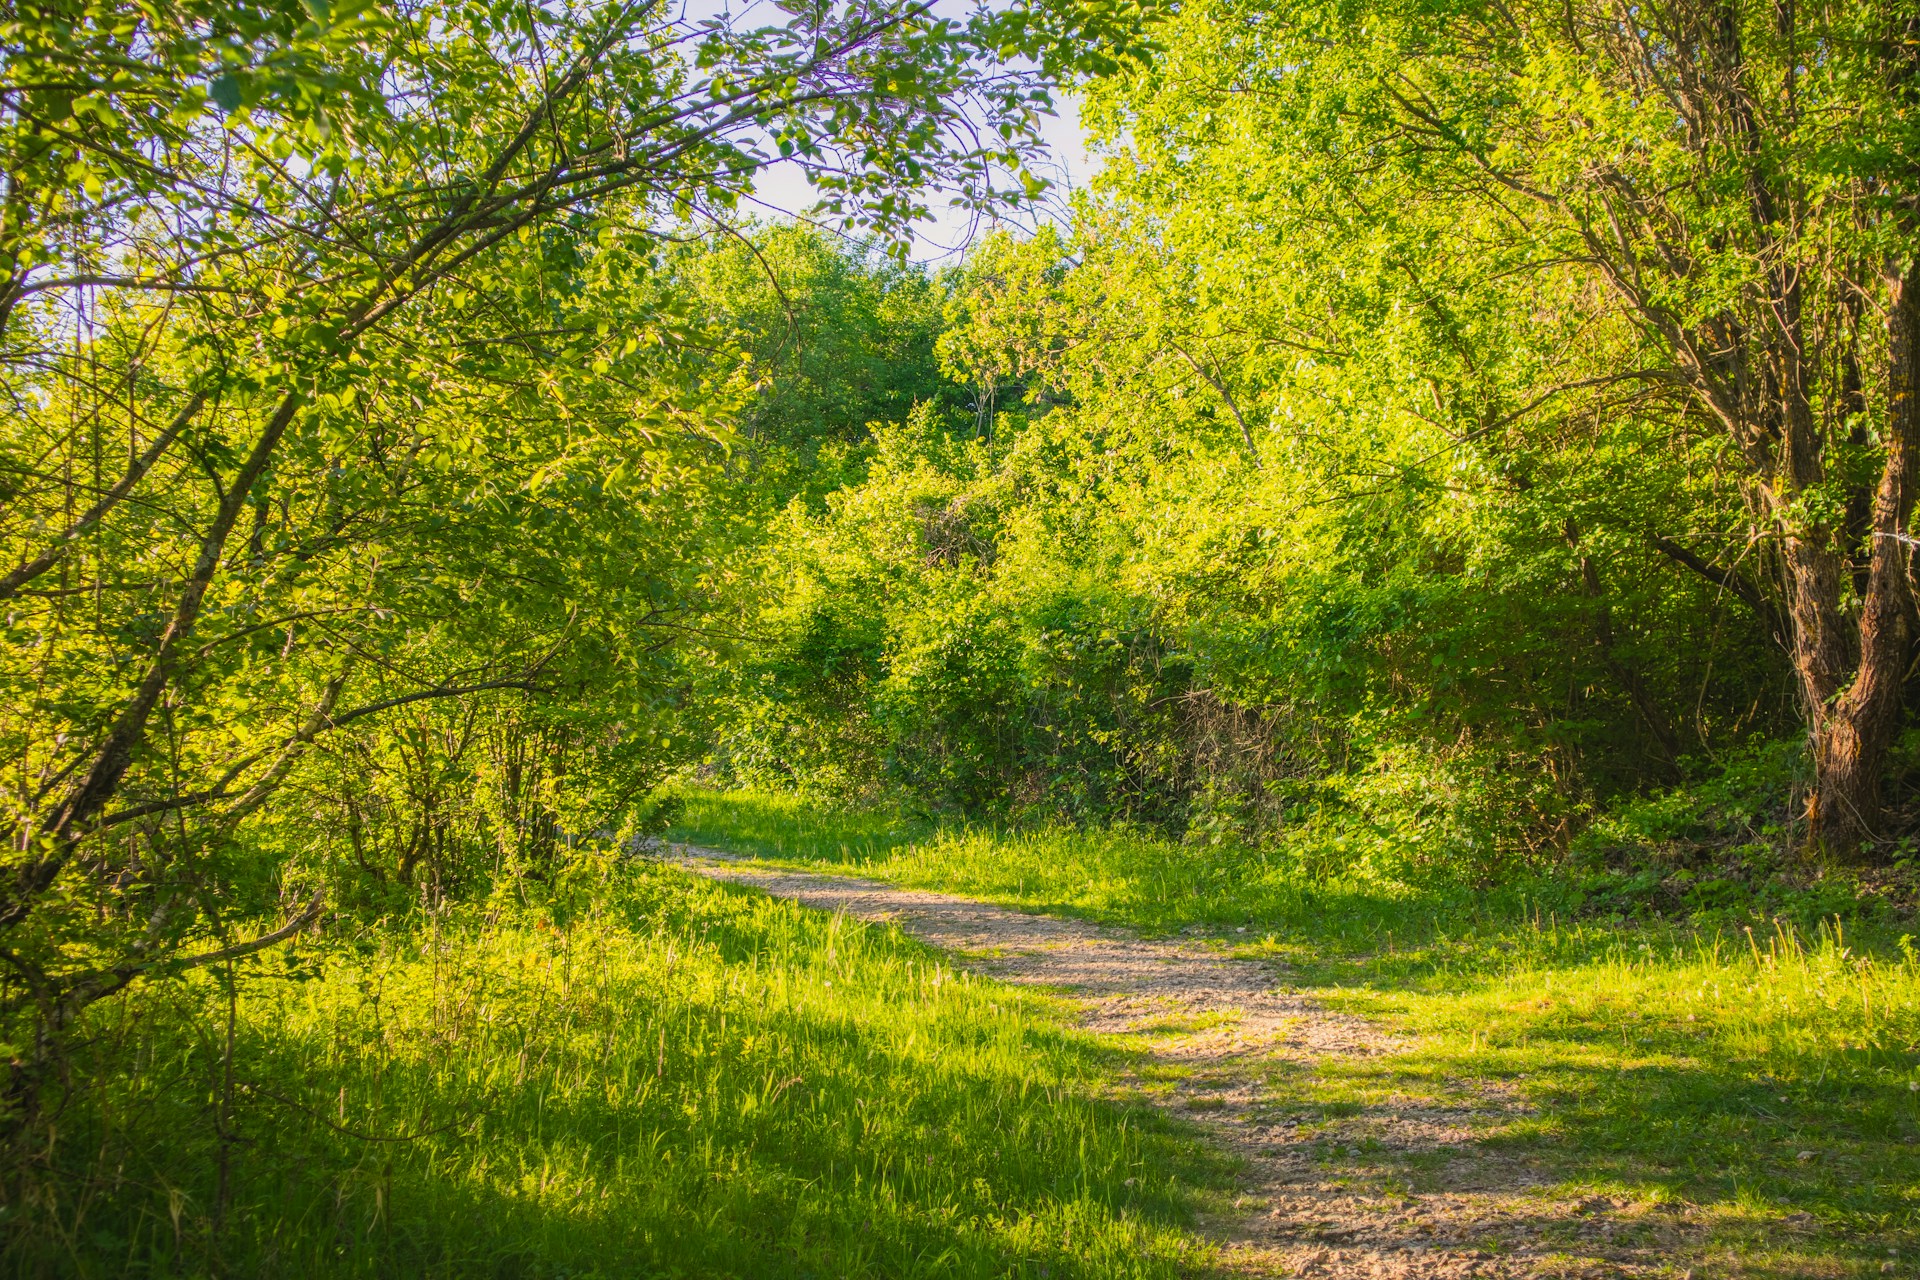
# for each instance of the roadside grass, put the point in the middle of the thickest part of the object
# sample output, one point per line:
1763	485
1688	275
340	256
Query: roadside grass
772	825
646	1075
1760	1076
1113	876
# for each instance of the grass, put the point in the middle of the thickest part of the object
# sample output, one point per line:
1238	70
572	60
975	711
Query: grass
1114	876
1763	1075
645	1075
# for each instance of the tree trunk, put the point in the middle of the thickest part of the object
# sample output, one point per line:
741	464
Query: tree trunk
1854	722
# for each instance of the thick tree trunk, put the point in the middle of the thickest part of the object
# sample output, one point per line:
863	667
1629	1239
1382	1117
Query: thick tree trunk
1854	721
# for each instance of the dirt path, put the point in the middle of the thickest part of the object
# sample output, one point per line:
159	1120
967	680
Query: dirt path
1402	1186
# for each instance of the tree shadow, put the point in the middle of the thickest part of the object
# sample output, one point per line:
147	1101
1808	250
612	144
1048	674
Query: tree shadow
729	1116
1797	1167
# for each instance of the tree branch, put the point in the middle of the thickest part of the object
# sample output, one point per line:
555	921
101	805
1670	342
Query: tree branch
1727	579
261	943
20	577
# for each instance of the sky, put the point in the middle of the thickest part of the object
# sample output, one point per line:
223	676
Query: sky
783	190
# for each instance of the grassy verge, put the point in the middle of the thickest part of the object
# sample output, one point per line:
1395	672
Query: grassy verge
1762	1075
648	1075
1113	876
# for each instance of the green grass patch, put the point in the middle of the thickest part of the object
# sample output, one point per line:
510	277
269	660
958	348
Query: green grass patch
650	1075
1766	1076
1114	876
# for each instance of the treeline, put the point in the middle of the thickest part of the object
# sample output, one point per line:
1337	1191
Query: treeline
1063	588
369	442
1438	430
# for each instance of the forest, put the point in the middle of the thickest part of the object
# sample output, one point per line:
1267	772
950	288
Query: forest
1339	698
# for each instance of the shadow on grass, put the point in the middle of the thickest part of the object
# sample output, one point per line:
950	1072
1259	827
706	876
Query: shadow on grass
1801	1162
1763	1086
589	1105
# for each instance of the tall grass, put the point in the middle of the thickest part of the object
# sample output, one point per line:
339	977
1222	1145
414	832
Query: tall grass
778	825
647	1075
1790	1002
1757	1073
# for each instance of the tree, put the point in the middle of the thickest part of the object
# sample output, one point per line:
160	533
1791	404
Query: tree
1707	203
344	380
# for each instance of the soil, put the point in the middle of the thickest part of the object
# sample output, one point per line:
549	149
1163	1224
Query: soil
1406	1186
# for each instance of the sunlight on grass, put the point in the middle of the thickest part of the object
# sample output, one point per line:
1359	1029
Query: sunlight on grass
679	1078
1768	1075
1115	876
1771	1073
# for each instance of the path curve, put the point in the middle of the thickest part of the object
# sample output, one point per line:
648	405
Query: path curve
1322	1195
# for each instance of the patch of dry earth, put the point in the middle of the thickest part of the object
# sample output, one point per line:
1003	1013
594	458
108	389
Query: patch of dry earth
1403	1188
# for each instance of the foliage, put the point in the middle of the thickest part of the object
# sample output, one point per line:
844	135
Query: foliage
1454	465
1390	431
1628	279
1105	610
838	338
363	439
